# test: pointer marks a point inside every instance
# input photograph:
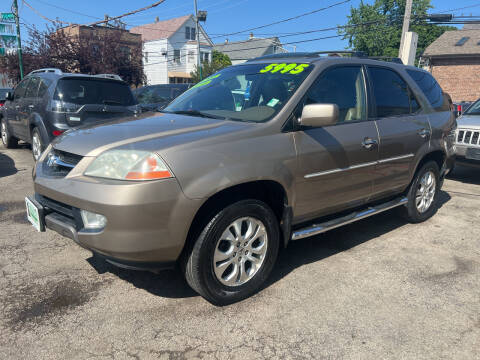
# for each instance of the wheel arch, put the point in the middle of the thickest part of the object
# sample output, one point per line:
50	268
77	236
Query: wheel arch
269	191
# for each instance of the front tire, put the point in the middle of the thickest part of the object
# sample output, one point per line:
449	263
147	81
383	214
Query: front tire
37	144
423	194
234	253
7	140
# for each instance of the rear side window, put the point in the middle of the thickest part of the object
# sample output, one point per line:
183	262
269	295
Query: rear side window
92	91
32	88
20	89
392	95
431	89
42	89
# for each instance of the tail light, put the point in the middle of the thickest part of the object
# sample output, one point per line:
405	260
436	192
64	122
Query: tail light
58	132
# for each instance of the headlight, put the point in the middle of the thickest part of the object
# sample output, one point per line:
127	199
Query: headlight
128	165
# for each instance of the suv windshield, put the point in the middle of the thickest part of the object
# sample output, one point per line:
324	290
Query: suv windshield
254	92
93	91
473	109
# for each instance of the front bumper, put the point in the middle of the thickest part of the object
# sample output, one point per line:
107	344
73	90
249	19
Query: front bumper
147	222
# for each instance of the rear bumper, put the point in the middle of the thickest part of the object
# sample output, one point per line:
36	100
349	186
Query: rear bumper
147	223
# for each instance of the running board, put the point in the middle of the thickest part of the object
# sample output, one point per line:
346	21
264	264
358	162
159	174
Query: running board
347	219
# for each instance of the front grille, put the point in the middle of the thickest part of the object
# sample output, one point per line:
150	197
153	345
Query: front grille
60	163
469	137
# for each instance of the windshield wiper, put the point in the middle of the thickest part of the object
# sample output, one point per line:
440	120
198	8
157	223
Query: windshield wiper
194	113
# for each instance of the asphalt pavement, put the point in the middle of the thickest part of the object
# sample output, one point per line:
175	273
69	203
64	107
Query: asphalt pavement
377	289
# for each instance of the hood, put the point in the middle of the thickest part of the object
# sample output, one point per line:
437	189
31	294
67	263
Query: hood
469	122
93	140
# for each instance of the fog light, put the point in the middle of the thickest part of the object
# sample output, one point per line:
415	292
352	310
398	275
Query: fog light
92	220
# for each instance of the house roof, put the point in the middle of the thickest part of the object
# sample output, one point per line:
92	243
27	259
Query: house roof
160	30
445	45
249	49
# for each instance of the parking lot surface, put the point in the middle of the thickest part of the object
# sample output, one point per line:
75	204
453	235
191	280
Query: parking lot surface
379	288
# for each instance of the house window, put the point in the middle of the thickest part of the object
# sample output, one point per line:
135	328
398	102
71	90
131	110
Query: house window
190	33
95	49
176	56
125	51
204	57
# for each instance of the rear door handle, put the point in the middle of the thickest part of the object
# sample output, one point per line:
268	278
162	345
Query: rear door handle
424	133
369	143
31	106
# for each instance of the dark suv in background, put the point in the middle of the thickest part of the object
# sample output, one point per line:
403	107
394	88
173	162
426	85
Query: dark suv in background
156	97
48	102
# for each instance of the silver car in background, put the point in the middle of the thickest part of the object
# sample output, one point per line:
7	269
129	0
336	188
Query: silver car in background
467	147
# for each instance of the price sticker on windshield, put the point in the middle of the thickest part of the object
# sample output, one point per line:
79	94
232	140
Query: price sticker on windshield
284	68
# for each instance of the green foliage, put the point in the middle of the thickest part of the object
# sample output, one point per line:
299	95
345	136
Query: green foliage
219	61
381	36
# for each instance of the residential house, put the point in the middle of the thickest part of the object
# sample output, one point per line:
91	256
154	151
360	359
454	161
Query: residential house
170	49
241	51
454	60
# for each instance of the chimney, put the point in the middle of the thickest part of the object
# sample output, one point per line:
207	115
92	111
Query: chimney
251	35
157	19
226	41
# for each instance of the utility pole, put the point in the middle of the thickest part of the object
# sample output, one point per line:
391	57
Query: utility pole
19	42
199	62
406	24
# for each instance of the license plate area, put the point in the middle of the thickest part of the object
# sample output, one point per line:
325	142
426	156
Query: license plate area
473	154
35	214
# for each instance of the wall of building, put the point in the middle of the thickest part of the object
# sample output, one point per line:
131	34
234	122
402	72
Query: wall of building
458	77
154	64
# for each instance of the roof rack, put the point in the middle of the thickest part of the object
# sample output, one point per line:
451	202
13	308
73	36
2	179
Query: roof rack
392	59
340	53
109	76
47	70
312	54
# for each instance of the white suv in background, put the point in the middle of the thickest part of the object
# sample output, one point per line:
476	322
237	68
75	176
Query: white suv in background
468	136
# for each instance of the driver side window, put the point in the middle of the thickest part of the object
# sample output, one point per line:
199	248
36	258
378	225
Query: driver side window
344	86
20	90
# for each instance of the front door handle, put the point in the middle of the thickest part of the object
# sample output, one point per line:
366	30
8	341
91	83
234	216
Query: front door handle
424	133
31	106
369	143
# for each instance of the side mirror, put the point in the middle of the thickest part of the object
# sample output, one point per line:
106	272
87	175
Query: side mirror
318	115
9	96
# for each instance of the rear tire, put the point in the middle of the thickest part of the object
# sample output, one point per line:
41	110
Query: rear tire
423	194
37	144
8	140
234	253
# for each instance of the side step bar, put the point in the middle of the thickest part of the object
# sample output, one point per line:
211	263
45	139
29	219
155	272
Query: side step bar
347	219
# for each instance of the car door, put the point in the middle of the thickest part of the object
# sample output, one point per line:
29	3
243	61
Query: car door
30	102
336	162
402	128
15	109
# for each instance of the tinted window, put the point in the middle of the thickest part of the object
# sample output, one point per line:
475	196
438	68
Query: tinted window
93	91
20	89
32	88
431	89
155	94
392	95
343	86
42	89
473	109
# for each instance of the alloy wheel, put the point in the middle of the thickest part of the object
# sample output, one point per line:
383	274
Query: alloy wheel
240	252
4	133
36	146
425	192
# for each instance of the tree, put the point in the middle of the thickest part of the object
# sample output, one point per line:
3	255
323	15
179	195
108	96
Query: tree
219	61
98	53
382	29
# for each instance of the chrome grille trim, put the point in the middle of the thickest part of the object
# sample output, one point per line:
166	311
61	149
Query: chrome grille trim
468	137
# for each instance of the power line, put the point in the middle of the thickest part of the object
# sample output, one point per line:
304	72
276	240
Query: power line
128	13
